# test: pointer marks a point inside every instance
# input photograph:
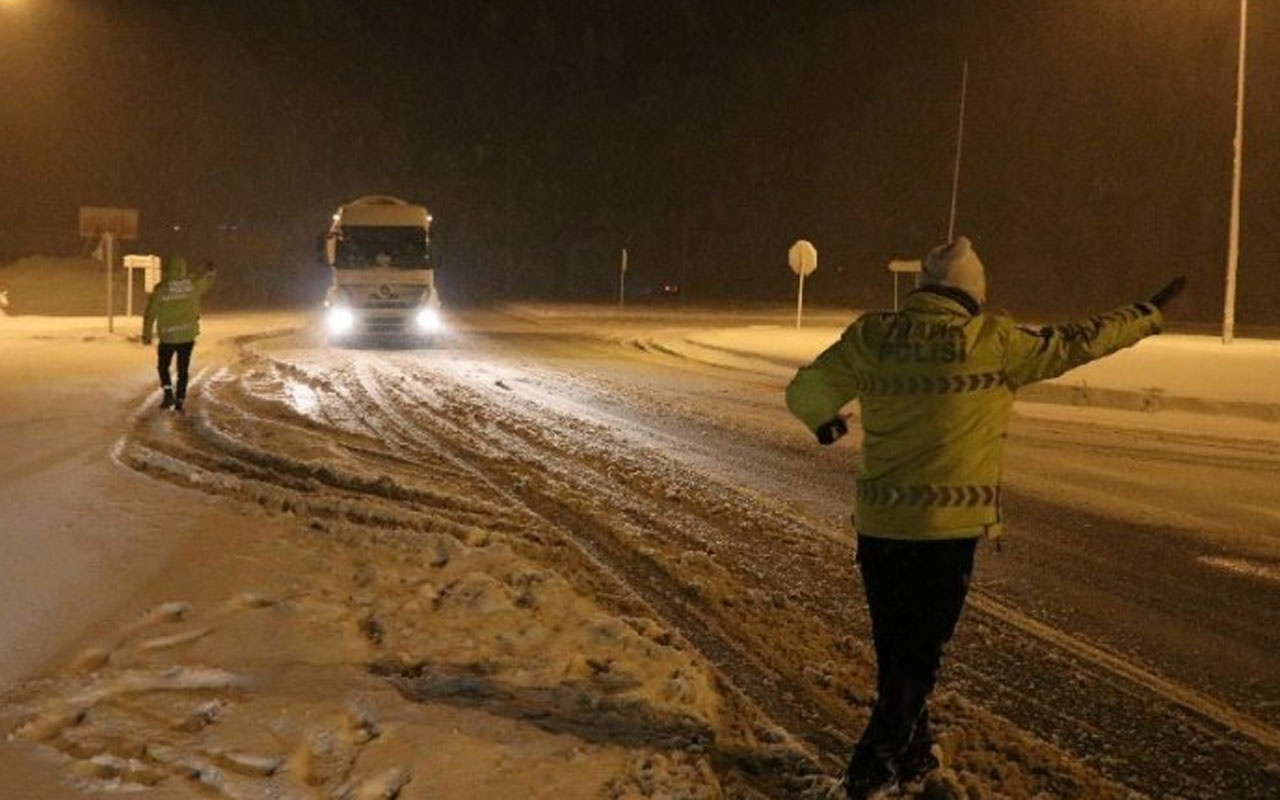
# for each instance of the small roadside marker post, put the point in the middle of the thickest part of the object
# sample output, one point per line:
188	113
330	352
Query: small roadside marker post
803	260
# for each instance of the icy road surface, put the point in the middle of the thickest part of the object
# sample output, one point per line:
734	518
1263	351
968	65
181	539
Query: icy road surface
1125	638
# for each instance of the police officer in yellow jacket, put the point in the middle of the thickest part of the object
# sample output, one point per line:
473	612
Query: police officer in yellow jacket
173	311
935	382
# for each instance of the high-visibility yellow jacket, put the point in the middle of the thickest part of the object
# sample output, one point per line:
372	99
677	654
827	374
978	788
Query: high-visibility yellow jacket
174	306
935	382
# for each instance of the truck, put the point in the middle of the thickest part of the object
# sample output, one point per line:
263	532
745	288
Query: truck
378	249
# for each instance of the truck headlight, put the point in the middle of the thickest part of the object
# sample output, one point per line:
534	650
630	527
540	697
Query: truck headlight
339	320
429	320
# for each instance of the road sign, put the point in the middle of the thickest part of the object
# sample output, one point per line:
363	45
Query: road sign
802	258
109	224
96	221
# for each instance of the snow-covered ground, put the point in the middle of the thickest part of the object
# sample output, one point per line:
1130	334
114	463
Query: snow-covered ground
1171	370
190	636
246	597
1195	382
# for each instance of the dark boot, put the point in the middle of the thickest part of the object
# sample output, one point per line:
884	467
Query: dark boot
922	754
168	400
866	775
918	760
178	403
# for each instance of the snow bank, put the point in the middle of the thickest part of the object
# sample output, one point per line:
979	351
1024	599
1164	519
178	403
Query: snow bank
1176	365
1167	370
1174	372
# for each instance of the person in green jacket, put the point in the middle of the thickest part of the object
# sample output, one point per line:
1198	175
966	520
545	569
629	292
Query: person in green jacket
935	382
173	312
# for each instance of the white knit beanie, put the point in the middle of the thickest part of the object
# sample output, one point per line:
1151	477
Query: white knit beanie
956	264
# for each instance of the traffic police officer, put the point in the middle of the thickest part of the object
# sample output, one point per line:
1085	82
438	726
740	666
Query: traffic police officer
935	382
173	311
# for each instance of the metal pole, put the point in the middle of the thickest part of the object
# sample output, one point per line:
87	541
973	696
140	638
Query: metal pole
109	250
128	292
1233	235
800	298
622	279
955	176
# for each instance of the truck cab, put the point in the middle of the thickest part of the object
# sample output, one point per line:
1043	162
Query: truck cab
379	251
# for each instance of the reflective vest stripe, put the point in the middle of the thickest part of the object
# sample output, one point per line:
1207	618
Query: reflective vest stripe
890	495
870	385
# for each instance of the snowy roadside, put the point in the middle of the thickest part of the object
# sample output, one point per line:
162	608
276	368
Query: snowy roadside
343	604
211	632
1173	382
73	522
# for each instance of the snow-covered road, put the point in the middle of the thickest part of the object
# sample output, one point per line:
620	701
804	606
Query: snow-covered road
564	523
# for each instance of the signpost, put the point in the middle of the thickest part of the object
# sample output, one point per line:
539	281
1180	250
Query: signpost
1233	231
622	279
897	267
803	260
108	224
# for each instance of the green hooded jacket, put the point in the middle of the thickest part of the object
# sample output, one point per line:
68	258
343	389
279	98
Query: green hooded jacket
935	382
174	306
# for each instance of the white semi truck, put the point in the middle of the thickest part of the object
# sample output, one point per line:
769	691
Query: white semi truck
379	250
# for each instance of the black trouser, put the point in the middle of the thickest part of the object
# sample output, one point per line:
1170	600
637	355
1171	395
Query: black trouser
164	357
915	591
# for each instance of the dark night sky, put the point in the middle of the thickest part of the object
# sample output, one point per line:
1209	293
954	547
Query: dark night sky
546	134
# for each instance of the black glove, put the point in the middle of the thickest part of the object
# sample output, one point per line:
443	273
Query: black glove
831	430
1171	290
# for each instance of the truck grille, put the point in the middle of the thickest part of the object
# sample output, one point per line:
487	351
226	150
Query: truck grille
389	296
375	301
386	325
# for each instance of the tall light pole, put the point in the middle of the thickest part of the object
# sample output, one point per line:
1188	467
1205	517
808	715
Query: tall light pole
955	174
1233	235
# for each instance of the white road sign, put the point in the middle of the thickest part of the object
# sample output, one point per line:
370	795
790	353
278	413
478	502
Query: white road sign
803	258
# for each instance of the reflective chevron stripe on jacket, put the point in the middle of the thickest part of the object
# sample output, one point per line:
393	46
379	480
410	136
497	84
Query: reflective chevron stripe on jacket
943	496
927	384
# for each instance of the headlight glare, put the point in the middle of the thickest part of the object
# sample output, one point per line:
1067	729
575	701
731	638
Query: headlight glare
429	320
340	320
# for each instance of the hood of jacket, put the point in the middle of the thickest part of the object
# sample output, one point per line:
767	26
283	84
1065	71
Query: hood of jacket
173	268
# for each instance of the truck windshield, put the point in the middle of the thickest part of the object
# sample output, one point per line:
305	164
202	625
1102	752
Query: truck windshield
401	247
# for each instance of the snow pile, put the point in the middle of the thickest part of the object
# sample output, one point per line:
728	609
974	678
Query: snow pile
345	622
510	673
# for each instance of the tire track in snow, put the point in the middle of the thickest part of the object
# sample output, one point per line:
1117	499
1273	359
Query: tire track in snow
232	443
763	682
1211	709
556	476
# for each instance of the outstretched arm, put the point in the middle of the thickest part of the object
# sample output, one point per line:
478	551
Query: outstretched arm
1044	353
206	279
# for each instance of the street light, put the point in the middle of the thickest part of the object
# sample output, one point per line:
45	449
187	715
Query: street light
1233	234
